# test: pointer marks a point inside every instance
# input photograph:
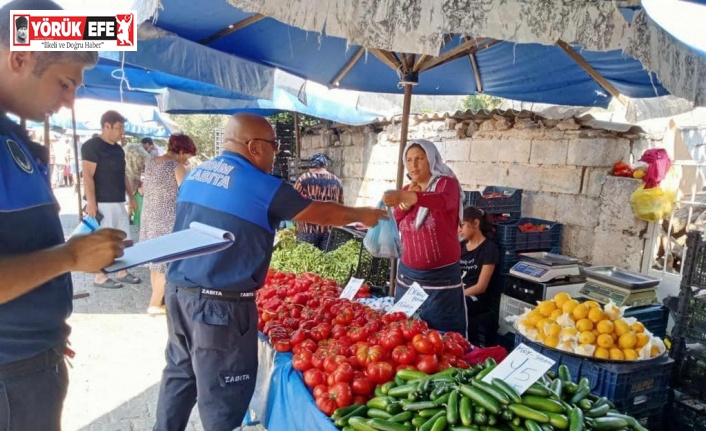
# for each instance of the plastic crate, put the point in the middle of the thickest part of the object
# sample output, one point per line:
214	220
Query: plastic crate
692	371
374	270
651	419
341	235
688	415
508	257
509	235
654	317
696	313
510	306
509	217
511	201
694	272
631	386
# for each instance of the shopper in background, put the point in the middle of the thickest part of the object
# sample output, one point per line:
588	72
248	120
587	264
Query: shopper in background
479	260
319	185
161	181
428	213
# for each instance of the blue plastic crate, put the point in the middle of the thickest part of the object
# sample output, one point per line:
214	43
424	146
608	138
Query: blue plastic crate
654	317
630	385
509	235
505	217
511	201
508	258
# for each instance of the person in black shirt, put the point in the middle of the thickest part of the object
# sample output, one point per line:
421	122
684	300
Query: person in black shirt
479	260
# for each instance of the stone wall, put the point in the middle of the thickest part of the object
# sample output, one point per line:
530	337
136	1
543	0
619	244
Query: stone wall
561	166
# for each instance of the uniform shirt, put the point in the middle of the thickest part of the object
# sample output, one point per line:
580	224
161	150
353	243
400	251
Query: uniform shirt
229	193
318	186
29	221
487	253
110	169
435	243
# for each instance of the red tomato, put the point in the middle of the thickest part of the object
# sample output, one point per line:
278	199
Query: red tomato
359	399
302	360
374	326
380	372
341	393
307	324
370	354
326	404
338	331
283	346
404	355
320	390
321	331
405	367
309	345
332	362
422	344
427	363
362	386
412	327
435	338
314	377
453	348
298	336
391	338
343	373
356	333
393	317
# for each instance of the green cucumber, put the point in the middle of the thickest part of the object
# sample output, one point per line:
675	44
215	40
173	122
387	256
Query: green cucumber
428	413
429	424
464	428
480	418
564	374
399	381
406	374
442	399
452	408
538	390
343	411
499	395
490	362
558	421
380	403
556	387
586	404
384	425
465	411
387	386
526	412
420	405
360	410
360	424
571	387
402	391
418	421
580	394
401	417
576	419
377	413
543	404
584	383
378	391
636	426
609	423
481	398
599	411
483	373
507	389
439	424
531	425
394	408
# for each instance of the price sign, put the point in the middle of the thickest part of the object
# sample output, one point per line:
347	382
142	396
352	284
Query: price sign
351	288
410	301
521	368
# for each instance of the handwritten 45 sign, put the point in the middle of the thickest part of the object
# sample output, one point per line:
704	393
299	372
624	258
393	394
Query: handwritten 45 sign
521	368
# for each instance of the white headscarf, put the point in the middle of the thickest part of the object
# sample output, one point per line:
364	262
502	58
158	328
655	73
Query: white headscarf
438	169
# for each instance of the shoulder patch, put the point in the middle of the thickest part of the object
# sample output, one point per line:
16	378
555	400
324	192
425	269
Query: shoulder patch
19	156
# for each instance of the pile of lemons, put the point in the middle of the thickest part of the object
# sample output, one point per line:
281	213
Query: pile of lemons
587	329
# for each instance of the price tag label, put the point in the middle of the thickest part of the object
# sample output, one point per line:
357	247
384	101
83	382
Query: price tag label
521	368
410	301
351	288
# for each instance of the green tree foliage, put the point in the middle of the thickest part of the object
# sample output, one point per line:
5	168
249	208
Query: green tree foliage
476	102
201	128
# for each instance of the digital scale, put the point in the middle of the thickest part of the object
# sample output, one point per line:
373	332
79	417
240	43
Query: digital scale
623	287
542	267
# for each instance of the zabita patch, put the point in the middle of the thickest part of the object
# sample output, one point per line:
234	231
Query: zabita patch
19	156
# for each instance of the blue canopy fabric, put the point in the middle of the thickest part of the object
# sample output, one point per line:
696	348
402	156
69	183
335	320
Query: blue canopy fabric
520	71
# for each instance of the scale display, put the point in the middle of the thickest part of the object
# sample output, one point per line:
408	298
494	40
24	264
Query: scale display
534	271
604	293
529	269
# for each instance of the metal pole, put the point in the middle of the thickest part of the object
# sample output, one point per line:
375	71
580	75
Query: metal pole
406	105
76	165
297	137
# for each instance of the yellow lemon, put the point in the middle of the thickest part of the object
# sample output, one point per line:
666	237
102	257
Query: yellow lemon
556	313
551	342
602	353
569	306
567	333
584	325
615	337
638	327
621	327
592	304
628	340
616	354
605	340
542	322
630	354
541	337
560	298
553	329
596	315
642	339
580	311
533	317
545	308
605	326
587	337
654	351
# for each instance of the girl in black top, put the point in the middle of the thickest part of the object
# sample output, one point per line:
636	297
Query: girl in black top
479	260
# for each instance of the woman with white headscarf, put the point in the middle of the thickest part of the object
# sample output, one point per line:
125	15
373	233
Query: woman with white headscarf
428	213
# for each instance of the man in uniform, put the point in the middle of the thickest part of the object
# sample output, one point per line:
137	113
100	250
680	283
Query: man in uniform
36	290
211	312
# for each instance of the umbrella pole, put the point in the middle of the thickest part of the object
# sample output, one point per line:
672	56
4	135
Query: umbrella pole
76	165
406	105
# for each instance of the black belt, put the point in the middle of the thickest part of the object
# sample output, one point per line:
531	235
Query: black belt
40	362
223	295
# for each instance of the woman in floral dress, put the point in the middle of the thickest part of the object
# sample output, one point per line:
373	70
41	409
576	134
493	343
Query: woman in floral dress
162	178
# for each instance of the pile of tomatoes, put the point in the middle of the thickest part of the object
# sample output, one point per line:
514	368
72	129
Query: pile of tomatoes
343	348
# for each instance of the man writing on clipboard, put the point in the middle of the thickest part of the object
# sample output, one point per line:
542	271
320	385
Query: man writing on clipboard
36	290
210	299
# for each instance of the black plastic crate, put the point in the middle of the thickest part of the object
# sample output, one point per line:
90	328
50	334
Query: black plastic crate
694	273
655	318
509	235
688	414
652	419
374	270
510	201
692	371
632	386
341	235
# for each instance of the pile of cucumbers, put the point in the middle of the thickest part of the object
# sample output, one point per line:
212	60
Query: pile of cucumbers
458	400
